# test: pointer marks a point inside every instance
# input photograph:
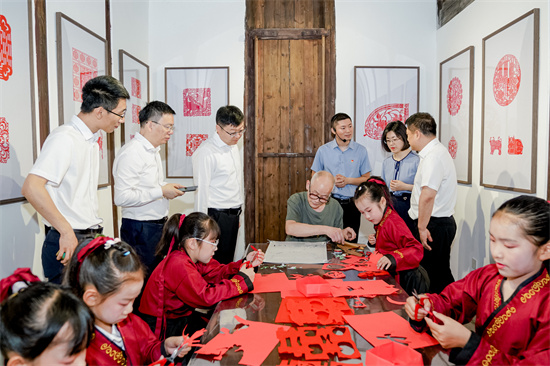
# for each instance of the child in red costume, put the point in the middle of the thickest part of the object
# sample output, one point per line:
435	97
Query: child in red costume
108	275
509	299
402	252
188	277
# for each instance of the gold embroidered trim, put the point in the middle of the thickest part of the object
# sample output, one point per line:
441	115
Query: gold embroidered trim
489	356
500	320
398	252
238	285
497	295
536	287
117	356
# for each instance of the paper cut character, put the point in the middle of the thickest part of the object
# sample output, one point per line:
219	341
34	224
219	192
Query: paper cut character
453	147
506	80
135	113
4	140
100	143
381	116
197	102
496	144
5	49
84	69
136	88
454	96
515	146
194	140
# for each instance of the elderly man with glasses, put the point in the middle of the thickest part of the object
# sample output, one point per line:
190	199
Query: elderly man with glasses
313	216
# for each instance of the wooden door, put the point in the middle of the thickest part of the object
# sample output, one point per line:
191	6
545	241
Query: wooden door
289	125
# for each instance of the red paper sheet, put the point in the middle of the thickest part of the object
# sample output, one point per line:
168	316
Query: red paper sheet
316	363
274	282
375	328
362	288
291	290
255	341
323	311
392	354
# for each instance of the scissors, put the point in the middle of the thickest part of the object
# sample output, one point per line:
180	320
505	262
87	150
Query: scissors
420	305
172	359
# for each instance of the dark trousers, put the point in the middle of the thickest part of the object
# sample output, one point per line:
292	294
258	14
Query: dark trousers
437	261
352	216
401	204
228	221
53	269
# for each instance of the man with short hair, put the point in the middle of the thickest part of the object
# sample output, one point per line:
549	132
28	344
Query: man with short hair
62	184
218	173
433	199
313	216
348	162
140	188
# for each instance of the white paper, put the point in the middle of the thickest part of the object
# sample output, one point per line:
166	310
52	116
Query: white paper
296	252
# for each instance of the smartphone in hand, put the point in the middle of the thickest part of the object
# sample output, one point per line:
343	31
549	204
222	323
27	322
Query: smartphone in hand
188	189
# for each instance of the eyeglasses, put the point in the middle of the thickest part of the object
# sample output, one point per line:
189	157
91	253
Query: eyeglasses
116	114
169	127
241	132
319	198
209	242
394	141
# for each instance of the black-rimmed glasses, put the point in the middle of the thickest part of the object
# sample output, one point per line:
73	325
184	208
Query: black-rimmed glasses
116	114
319	198
241	132
169	127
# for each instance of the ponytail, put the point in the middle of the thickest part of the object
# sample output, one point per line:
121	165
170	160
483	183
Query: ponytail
375	188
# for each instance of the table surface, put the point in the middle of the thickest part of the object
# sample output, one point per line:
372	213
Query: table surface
264	307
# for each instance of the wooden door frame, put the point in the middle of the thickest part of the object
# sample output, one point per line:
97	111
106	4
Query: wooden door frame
250	104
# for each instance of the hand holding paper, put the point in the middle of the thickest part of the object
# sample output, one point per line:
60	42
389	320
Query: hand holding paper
451	334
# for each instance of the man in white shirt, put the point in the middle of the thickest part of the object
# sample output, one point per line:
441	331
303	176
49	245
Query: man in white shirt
433	199
140	189
218	173
62	185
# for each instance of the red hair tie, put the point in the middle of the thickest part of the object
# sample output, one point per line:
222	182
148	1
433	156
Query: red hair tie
106	241
378	181
20	275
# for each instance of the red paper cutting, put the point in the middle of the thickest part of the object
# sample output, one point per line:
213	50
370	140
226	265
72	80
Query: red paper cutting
291	290
324	311
515	146
395	301
256	341
359	304
496	145
506	80
362	288
84	69
377	327
274	282
453	147
194	140
393	354
197	102
316	363
381	116
334	274
135	113
4	140
454	96
136	88
5	49
325	342
313	286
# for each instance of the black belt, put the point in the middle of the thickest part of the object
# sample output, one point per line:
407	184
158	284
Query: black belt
159	221
403	196
99	230
229	211
345	201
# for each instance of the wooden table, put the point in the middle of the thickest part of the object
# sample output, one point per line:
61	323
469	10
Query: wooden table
264	307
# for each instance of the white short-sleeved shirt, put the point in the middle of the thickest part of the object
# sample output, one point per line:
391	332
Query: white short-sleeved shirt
138	181
218	173
69	160
436	170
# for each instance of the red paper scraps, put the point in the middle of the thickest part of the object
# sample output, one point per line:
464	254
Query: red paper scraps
274	282
256	341
324	311
359	304
293	292
393	354
325	342
316	363
362	288
381	328
395	301
313	286
334	274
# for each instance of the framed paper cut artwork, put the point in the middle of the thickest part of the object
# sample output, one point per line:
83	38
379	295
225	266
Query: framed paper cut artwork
456	100
17	121
81	56
510	108
134	74
195	93
382	95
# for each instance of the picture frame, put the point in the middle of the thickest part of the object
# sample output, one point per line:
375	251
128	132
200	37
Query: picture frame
81	56
382	94
456	113
18	135
195	93
510	105
134	75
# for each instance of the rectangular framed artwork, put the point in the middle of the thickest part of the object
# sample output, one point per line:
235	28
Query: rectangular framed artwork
456	100
134	75
81	56
510	105
17	114
195	93
382	95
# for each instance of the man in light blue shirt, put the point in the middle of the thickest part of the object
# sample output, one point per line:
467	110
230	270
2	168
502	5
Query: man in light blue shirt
348	161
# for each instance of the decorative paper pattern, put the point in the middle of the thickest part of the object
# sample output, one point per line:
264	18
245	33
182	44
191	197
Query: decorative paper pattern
84	69
5	49
135	113
197	102
454	96
193	141
324	311
136	88
506	80
4	141
381	116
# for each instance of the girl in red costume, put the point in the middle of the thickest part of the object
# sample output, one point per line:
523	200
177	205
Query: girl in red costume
188	277
108	275
509	298
402	252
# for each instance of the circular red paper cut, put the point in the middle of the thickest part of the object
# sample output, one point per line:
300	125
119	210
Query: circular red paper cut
506	80
381	116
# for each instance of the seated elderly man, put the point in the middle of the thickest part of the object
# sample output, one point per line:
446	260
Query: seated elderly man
313	216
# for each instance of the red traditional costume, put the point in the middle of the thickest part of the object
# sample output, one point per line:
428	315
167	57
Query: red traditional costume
189	285
508	331
141	345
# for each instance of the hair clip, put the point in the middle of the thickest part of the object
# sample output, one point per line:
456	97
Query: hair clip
109	243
